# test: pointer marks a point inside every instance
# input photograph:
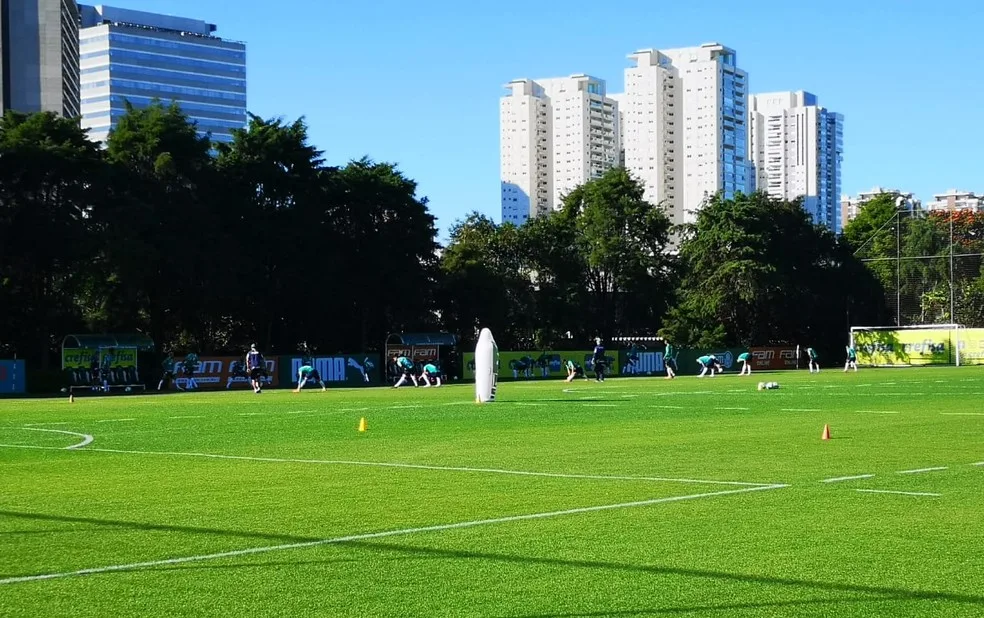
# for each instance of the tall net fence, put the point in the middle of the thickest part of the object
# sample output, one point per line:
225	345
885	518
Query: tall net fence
929	264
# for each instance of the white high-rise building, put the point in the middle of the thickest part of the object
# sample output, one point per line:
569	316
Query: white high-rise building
797	148
957	200
685	132
555	134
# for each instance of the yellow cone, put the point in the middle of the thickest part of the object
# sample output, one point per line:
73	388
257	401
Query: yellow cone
362	424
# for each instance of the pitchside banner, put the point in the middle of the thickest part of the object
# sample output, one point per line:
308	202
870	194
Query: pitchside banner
424	353
81	358
687	359
217	372
12	373
905	348
766	359
347	370
531	365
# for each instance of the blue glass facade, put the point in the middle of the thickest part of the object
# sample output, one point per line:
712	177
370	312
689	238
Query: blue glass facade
830	145
126	62
735	170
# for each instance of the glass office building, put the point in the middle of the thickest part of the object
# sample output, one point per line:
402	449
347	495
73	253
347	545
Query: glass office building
136	57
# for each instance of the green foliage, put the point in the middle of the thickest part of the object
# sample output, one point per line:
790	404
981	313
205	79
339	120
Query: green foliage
757	271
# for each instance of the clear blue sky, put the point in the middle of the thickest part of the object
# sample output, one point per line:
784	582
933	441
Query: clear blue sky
418	83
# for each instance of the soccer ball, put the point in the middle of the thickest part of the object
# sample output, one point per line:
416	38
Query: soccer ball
127	389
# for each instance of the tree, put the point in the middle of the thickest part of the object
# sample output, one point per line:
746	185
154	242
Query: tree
51	177
757	271
485	283
622	240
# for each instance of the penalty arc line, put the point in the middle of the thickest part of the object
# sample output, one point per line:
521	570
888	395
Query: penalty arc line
378	535
86	438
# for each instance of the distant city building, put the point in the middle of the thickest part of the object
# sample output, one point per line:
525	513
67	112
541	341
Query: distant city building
851	205
134	56
555	134
39	56
684	122
957	200
797	148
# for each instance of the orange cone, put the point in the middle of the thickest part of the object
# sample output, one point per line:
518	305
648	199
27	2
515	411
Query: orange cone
362	424
826	433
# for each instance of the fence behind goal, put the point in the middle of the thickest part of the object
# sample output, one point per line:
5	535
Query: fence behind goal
911	346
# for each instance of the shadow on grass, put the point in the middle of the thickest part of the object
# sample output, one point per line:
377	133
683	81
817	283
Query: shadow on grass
871	592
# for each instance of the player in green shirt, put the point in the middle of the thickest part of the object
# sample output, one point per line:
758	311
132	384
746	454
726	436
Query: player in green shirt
746	366
574	370
813	356
669	360
308	373
431	372
190	365
852	358
405	365
167	373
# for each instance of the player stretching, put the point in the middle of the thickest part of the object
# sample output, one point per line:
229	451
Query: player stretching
405	365
256	367
574	370
852	358
430	372
306	374
813	360
167	375
708	362
746	366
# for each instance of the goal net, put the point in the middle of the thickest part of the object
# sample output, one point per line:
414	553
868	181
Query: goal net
921	345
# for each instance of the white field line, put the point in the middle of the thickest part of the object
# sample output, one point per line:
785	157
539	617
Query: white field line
838	479
962	413
668	407
40	424
115	420
176	417
378	535
600	405
86	438
877	412
876	491
730	408
801	410
918	470
380	464
979	463
252	414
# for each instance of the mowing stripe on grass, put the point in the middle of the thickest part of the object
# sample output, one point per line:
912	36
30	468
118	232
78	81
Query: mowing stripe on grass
918	470
86	438
883	491
378	535
838	479
381	464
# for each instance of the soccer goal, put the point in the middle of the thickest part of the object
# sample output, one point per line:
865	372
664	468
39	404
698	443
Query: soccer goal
918	345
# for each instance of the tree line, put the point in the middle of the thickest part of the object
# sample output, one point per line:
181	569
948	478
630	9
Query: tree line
210	247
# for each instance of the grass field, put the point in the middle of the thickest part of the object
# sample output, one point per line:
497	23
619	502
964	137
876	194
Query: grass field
634	497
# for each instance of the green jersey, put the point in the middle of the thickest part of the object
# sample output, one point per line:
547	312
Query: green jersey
704	360
168	364
305	369
404	362
431	369
851	353
812	353
743	356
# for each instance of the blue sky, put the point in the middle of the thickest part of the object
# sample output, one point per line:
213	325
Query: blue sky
418	83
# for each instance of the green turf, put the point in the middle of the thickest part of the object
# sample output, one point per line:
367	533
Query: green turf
798	547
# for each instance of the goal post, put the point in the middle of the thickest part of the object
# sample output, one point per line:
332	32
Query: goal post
919	345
